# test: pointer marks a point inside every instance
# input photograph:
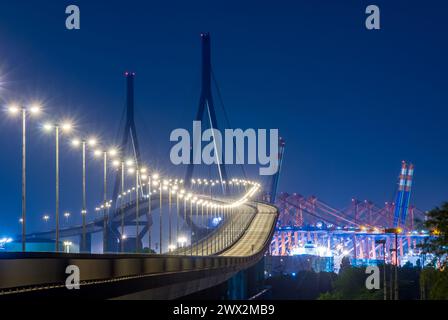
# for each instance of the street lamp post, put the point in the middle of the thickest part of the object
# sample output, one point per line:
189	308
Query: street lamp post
177	211
105	200
196	237
121	206
65	127
202	224
149	218
91	142
395	231
14	110
169	219
185	217
155	178
112	153
191	220
84	205
396	266
383	243
160	216
137	211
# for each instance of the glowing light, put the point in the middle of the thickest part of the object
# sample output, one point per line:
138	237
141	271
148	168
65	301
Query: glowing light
92	142
76	143
113	152
48	126
13	109
35	108
66	126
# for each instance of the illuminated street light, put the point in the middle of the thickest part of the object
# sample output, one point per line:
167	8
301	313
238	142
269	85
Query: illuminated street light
91	142
136	172
112	152
149	217
65	127
14	109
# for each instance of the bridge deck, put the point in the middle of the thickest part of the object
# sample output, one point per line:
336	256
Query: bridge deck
254	238
141	276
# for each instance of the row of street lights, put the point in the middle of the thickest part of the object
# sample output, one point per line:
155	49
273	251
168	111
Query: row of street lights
58	128
140	175
172	188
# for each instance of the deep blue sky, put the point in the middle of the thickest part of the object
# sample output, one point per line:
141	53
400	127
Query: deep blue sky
351	103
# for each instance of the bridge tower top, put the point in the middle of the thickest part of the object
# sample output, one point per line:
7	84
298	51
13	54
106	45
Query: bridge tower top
206	105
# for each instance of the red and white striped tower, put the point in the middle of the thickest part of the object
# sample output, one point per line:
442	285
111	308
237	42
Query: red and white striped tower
400	194
407	195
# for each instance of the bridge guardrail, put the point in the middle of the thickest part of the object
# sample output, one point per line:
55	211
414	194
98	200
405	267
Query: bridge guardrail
34	271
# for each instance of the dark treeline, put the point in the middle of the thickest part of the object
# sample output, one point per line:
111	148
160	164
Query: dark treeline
350	284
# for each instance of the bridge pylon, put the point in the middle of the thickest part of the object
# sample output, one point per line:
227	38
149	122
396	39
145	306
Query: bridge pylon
206	106
129	145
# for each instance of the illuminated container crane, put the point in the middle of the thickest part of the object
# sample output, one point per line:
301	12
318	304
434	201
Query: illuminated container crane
407	195
400	194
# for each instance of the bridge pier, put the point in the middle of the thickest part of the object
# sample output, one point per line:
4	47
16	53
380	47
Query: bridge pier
246	283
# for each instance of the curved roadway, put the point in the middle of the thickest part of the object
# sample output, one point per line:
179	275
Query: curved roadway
137	276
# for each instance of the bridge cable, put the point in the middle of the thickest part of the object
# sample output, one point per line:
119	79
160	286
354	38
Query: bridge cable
226	116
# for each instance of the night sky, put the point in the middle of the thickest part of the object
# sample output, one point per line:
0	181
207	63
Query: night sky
350	103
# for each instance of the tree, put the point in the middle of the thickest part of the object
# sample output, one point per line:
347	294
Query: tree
350	285
433	284
437	223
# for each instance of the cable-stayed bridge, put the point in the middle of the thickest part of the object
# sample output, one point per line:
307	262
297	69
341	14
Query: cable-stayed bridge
166	237
162	237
